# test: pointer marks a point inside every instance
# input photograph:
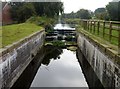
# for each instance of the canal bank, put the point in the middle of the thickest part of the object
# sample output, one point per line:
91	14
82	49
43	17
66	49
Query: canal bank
15	58
103	61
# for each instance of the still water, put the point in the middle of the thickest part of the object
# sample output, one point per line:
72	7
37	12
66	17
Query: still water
63	71
57	67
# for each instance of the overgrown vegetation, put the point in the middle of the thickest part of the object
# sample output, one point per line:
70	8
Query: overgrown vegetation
42	21
56	43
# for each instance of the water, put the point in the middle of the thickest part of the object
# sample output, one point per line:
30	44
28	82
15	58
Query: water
63	26
65	71
56	67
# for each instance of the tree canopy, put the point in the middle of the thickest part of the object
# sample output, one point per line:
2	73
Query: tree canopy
21	11
101	13
82	14
113	9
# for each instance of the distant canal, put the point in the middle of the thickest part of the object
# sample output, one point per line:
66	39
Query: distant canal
57	67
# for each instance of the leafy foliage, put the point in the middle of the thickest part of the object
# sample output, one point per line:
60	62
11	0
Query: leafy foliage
82	14
113	9
101	13
49	9
21	11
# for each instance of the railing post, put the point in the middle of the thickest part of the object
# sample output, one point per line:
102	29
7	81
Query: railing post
94	27
88	25
81	22
85	24
110	32
103	28
98	27
119	41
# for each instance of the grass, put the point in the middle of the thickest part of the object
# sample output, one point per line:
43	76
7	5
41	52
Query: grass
15	32
0	38
106	36
99	39
42	21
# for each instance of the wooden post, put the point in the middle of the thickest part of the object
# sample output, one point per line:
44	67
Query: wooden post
119	41
110	32
88	25
85	24
81	23
94	27
98	27
103	28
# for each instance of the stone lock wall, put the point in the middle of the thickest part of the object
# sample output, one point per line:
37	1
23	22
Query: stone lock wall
15	58
105	67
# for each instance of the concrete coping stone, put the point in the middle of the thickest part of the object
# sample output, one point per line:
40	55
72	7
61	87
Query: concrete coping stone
106	49
10	47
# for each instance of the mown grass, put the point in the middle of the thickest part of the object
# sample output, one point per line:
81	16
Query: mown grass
106	35
15	32
99	39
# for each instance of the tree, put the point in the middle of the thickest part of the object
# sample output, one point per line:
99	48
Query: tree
83	14
26	11
113	9
21	11
101	13
49	9
69	15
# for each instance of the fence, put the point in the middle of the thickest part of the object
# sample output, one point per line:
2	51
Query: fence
109	30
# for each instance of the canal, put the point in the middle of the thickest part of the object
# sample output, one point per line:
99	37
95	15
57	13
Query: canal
58	67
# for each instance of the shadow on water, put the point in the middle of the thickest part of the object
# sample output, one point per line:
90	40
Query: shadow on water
44	57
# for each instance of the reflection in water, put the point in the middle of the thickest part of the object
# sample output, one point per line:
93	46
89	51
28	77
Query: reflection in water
51	52
59	68
63	72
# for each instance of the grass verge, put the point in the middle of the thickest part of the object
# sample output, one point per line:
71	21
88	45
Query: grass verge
15	32
98	39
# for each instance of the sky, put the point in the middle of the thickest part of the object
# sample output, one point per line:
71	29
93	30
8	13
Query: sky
75	5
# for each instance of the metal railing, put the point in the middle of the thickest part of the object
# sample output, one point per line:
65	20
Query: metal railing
109	30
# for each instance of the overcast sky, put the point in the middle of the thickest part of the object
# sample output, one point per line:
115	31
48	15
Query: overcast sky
75	5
